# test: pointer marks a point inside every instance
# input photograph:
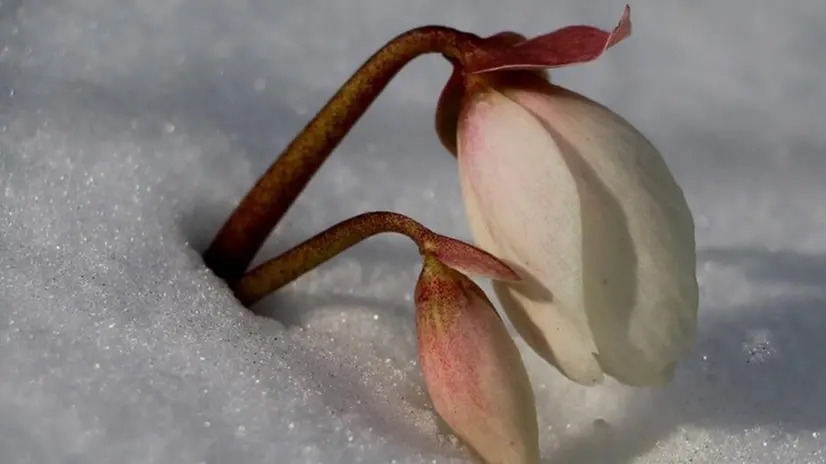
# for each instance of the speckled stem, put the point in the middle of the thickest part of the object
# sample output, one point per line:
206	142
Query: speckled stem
280	271
265	204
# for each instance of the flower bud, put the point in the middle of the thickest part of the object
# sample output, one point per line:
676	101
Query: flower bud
472	368
580	204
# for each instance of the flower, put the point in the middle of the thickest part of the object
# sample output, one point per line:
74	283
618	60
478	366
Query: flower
472	368
580	204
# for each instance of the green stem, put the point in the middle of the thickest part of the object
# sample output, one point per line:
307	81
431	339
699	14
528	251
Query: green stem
265	204
280	271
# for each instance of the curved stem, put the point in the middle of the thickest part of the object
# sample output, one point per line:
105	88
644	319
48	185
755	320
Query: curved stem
280	271
265	204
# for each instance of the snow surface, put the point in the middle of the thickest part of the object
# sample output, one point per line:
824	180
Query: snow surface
129	129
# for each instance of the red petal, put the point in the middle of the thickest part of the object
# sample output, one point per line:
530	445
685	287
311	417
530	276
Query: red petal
468	259
447	110
564	47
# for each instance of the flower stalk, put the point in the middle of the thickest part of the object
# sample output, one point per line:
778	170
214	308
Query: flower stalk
243	234
281	270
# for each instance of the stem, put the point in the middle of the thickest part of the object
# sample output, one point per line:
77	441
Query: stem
280	271
265	204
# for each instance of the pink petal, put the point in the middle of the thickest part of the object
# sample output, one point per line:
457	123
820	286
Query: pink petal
468	258
564	47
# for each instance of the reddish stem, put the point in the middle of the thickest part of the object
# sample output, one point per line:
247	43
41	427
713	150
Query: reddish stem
279	271
265	204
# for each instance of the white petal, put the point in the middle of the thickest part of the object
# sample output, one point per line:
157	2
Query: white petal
587	207
522	206
639	259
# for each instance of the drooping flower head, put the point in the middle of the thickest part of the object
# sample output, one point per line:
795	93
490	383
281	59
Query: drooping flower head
579	203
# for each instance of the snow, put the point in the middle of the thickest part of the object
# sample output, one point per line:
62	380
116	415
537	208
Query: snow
129	129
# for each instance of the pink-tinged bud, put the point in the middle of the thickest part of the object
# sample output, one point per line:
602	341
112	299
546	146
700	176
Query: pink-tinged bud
472	368
582	206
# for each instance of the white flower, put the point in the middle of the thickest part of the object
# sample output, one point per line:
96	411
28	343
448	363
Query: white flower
585	209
